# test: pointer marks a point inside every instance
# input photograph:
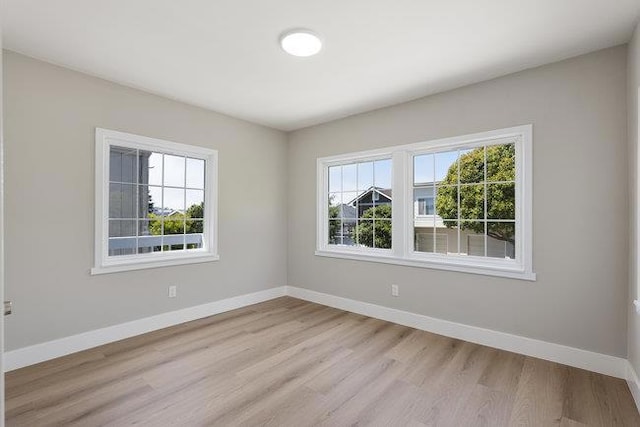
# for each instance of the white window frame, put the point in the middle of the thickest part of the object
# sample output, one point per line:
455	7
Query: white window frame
103	263
323	226
402	251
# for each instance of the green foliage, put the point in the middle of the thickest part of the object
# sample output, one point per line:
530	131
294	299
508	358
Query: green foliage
178	222
364	230
334	226
500	197
196	211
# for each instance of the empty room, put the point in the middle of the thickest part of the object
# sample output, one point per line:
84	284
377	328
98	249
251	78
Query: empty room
338	213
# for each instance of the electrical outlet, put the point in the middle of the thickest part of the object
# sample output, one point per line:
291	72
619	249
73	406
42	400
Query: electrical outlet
394	290
173	291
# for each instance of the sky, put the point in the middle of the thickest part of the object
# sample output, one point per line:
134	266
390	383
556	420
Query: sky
357	177
174	175
434	167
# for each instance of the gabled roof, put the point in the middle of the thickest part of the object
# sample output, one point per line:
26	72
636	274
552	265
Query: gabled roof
384	192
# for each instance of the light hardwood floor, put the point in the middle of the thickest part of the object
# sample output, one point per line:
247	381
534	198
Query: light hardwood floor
288	362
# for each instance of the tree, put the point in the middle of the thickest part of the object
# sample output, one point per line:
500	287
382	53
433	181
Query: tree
364	231
178	223
196	212
500	197
334	226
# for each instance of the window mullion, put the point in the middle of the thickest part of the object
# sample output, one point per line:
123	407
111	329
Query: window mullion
399	180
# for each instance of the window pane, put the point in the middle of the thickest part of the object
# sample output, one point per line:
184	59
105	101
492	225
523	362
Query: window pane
335	199
447	201
174	228
348	230
195	203
446	169
194	237
349	202
365	176
501	240
423	201
122	201
383	204
367	203
382	173
446	240
472	238
472	166
174	171
122	237
364	233
472	201
347	211
423	172
122	164
335	179
195	226
122	228
150	227
335	233
501	162
149	236
150	168
447	237
423	239
195	173
150	204
382	231
115	248
173	200
349	177
501	201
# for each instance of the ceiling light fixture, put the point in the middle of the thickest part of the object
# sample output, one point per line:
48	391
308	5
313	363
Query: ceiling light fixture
300	42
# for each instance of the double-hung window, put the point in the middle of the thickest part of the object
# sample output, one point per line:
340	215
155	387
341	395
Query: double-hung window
359	204
460	203
156	203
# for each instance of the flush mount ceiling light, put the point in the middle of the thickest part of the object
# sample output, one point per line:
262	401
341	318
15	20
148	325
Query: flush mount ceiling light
300	42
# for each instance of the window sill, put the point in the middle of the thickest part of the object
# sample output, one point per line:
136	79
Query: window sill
462	268
120	267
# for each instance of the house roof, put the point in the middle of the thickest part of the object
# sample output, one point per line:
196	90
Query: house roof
385	192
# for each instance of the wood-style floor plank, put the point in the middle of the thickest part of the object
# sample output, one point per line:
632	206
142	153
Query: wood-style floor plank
288	362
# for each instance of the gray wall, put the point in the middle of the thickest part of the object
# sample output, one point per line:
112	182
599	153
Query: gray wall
578	109
634	85
50	117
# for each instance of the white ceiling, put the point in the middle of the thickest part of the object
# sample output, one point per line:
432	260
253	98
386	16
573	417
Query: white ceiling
224	54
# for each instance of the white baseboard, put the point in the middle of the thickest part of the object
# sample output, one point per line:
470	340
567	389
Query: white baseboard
50	350
634	384
596	362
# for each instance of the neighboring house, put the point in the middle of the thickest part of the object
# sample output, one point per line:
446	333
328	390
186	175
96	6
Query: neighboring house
167	211
373	196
